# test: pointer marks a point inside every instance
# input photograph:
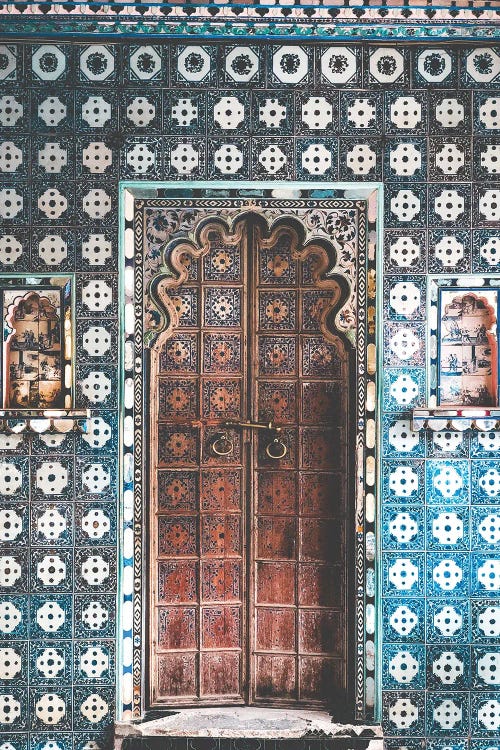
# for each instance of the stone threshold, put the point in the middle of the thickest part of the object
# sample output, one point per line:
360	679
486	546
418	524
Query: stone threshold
248	722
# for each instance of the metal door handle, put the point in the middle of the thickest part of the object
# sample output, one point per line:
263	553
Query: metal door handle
276	449
254	425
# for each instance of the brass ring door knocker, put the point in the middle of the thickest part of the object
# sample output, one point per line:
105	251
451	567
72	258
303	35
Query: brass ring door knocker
276	449
221	444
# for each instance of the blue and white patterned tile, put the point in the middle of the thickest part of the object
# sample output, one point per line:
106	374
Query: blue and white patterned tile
447	481
403	667
403	573
485	621
447	713
447	620
485	714
448	528
403	528
447	573
403	620
448	667
485	575
404	712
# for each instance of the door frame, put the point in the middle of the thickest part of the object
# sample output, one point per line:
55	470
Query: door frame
132	574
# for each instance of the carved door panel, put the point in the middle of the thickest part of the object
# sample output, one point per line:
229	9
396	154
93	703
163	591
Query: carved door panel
249	551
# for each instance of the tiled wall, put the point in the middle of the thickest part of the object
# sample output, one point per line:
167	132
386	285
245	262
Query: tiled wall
76	117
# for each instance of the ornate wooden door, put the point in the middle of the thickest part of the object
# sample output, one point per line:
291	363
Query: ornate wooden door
249	557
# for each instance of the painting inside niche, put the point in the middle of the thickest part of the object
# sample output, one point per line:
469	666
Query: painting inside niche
32	352
468	347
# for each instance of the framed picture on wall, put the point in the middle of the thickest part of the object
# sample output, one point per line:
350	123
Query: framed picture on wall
467	345
37	343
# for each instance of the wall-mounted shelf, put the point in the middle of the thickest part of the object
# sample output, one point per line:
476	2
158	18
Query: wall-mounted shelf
17	421
456	418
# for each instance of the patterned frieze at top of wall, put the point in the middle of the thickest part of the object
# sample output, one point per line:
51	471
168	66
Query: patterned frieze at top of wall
325	19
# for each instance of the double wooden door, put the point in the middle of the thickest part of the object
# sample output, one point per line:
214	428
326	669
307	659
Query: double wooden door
248	546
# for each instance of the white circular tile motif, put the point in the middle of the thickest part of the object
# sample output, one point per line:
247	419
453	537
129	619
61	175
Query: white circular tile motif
94	708
96	523
403	527
193	63
403	667
10	617
404	344
405	112
97	157
386	64
448	667
405	205
96	341
290	64
98	432
403	620
96	203
447	714
272	159
11	111
228	159
361	113
141	158
96	111
404	390
10	709
489	113
242	64
489	482
447	575
449	251
145	63
11	524
448	621
405	160
489	528
94	662
96	249
434	65
488	622
51	570
50	709
403	481
489	715
10	249
50	617
272	113
141	111
316	112
10	478
10	571
53	250
11	203
51	524
488	667
447	528
52	111
52	203
95	616
97	62
184	158
11	157
10	663
483	64
96	387
404	298
95	570
403	713
316	159
489	205
450	113
488	575
50	663
404	252
184	112
361	159
51	478
403	574
401	436
338	64
48	62
229	112
449	205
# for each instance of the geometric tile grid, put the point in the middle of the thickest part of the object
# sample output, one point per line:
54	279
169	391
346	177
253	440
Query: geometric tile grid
76	117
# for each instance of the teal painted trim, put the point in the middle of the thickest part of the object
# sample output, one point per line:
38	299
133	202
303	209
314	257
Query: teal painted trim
131	27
